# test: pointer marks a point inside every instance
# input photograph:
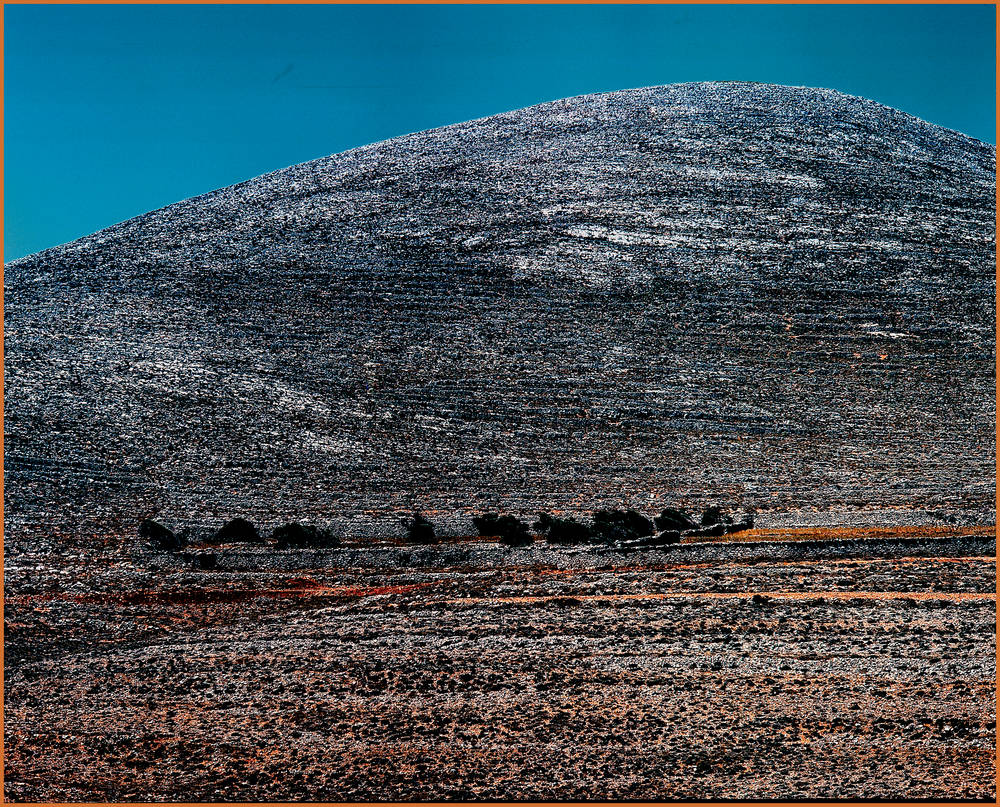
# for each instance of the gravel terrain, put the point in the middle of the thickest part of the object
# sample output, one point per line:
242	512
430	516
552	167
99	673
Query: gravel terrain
473	671
775	299
781	298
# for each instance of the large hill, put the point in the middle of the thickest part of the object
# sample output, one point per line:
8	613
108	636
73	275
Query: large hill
775	297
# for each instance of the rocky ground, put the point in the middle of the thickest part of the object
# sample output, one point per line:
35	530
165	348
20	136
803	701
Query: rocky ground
779	298
687	293
814	669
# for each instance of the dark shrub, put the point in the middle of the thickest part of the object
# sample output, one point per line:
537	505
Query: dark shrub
509	529
670	519
638	524
296	534
159	536
293	534
608	527
569	531
238	530
621	525
207	560
419	530
563	530
516	534
487	524
667	537
713	515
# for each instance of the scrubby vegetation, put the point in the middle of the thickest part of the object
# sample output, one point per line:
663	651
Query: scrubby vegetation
626	529
302	535
716	522
674	520
611	526
629	528
238	530
159	536
713	515
419	530
509	529
207	560
562	530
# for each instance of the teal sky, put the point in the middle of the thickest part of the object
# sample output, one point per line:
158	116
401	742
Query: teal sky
111	111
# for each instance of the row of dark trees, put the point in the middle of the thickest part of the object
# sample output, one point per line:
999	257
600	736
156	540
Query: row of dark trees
608	527
612	527
239	530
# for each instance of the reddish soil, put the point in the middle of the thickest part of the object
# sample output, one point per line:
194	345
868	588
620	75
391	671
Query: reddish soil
541	675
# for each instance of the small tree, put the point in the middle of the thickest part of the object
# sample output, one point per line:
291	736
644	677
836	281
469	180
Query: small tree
671	519
159	536
621	525
714	515
419	530
562	530
509	529
237	530
746	523
207	560
486	524
637	524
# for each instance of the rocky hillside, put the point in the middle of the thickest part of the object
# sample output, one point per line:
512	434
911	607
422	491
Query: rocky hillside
775	297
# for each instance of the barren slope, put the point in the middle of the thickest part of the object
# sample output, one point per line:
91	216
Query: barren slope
779	297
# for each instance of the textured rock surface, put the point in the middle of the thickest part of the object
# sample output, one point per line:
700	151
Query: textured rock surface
779	298
471	672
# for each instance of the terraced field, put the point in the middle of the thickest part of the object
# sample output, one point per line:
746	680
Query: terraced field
816	668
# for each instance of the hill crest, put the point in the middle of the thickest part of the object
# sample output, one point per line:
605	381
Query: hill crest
673	295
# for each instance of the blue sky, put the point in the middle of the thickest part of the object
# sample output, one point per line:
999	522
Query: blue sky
111	111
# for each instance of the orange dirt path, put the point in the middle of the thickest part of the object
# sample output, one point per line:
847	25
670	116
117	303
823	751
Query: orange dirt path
743	595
